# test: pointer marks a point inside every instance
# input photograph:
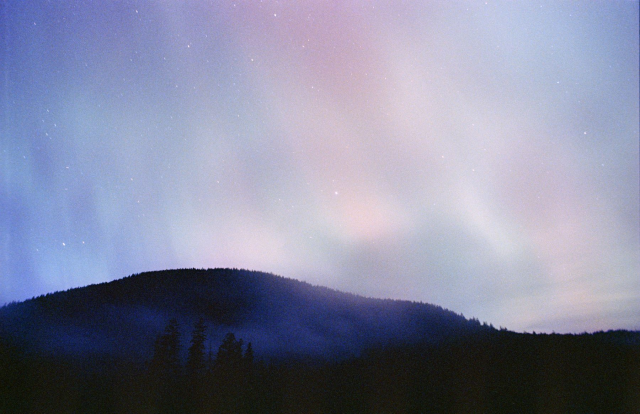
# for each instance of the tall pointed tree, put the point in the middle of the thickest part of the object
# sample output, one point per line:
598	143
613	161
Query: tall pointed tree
230	351
195	357
165	368
228	372
196	369
166	355
248	355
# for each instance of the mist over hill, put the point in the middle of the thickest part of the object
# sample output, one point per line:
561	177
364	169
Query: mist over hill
284	317
238	341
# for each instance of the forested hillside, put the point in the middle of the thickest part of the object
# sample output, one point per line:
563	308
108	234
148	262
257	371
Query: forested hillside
231	341
287	317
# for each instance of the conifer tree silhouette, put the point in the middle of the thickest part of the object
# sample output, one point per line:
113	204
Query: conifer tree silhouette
230	351
195	357
165	368
166	354
248	356
228	373
195	369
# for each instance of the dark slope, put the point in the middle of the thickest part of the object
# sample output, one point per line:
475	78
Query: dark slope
282	317
89	350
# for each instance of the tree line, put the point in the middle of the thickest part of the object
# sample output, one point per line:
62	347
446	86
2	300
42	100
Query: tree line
495	372
226	383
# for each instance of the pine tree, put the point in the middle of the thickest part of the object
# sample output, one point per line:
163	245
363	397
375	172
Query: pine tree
229	374
248	355
166	355
195	370
195	357
230	351
165	368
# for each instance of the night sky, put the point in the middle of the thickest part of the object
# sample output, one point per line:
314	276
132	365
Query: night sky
479	156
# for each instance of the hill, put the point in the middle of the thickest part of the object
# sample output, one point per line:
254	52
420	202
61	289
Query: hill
127	346
285	317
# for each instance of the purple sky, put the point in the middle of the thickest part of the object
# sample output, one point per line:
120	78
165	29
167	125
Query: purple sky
479	156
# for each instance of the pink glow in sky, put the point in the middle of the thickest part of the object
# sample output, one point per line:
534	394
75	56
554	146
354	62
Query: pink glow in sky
479	156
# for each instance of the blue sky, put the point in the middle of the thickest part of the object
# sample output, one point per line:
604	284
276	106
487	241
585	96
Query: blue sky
479	156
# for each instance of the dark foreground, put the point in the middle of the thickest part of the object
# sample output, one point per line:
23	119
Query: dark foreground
496	372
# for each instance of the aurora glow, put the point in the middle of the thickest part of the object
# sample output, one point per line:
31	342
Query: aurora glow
482	156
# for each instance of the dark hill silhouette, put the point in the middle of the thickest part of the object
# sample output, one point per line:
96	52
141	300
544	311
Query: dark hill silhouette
115	347
283	317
